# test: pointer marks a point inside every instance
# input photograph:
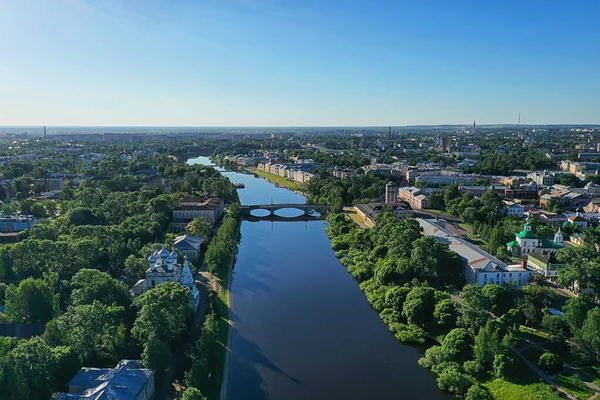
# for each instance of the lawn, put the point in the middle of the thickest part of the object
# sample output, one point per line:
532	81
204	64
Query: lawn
222	308
531	335
573	385
505	390
592	373
278	179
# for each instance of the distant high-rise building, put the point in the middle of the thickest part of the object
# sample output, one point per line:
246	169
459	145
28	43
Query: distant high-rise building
474	128
390	132
44	130
598	148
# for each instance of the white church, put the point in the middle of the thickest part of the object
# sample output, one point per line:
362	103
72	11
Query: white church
527	242
164	267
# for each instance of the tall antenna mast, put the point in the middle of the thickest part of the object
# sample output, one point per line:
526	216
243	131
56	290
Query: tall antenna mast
519	124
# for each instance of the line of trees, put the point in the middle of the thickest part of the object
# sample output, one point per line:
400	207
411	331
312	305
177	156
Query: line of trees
407	278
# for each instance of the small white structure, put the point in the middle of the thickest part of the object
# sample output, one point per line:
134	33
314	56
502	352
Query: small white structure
163	267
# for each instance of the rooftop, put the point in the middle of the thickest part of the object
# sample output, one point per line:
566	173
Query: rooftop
471	254
124	382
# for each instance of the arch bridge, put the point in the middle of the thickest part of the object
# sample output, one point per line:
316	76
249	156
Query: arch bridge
308	210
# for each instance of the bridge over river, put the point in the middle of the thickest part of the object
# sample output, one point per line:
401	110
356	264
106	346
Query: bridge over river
308	211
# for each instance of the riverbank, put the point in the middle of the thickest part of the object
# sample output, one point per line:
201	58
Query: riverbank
278	179
224	310
210	355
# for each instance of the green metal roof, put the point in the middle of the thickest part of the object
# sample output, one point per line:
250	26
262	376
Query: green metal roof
514	243
527	235
549	244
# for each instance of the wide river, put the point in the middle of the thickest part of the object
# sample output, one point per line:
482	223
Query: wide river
302	327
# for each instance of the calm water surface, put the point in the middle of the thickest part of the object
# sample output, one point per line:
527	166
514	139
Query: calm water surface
303	329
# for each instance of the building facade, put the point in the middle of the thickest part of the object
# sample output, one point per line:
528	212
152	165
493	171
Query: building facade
210	210
164	267
16	223
526	242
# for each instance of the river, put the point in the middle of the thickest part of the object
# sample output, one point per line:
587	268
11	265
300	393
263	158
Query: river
303	329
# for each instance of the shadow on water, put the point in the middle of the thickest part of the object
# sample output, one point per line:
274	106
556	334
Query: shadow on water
246	364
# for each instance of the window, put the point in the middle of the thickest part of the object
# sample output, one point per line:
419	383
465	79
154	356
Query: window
497	275
519	274
485	275
510	275
152	282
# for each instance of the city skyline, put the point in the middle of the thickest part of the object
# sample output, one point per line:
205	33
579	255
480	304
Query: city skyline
258	63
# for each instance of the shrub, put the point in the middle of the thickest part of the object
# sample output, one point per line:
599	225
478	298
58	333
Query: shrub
550	362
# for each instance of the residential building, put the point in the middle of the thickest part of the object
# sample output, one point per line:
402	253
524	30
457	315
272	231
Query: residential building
209	209
545	263
478	191
526	242
344	173
542	178
188	246
445	179
588	156
579	220
514	210
368	211
164	267
592	190
414	196
480	267
129	380
16	223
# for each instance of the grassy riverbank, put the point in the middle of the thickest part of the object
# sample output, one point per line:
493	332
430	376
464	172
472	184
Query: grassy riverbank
211	352
278	179
224	311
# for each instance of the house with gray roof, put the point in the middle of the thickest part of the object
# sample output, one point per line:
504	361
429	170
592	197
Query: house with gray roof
129	380
480	267
189	246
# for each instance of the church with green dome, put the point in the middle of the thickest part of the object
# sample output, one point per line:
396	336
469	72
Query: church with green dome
526	242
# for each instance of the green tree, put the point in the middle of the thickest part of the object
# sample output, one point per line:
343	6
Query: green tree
156	355
458	344
419	305
550	363
556	327
395	297
192	393
162	312
587	339
92	285
478	392
575	312
33	301
446	313
200	227
500	298
29	370
455	382
96	332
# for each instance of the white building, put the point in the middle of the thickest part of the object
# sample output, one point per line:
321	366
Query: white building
480	267
527	242
163	267
514	210
592	189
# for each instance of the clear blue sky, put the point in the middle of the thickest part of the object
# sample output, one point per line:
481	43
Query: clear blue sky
298	62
